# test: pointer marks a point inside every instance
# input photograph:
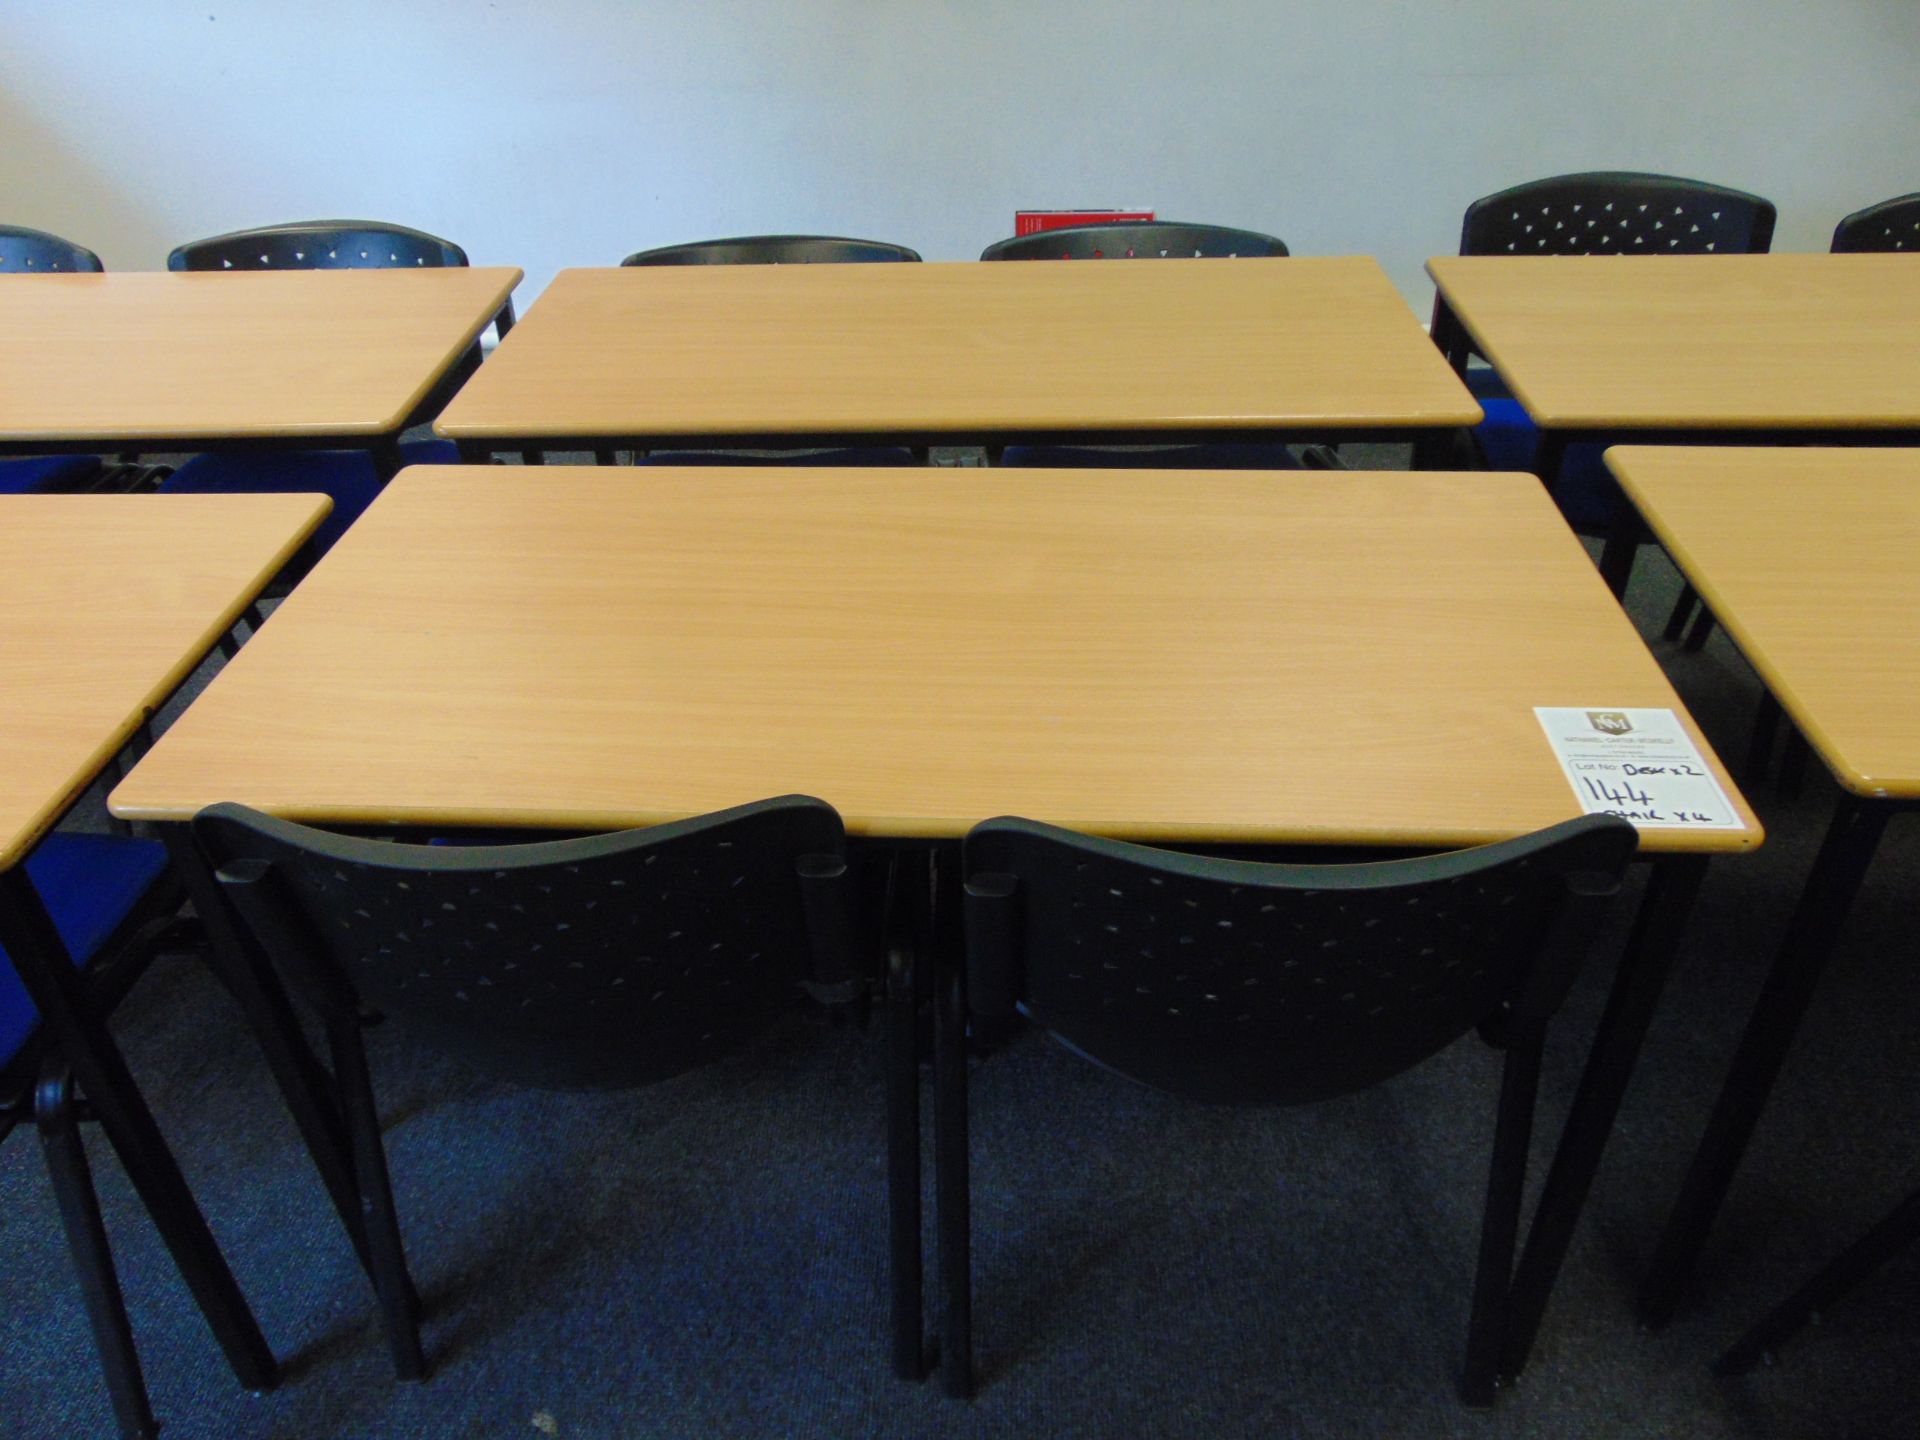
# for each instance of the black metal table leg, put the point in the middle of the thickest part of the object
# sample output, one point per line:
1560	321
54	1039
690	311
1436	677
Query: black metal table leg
1844	856
953	1216
1683	607
1766	725
1434	449
1846	1270
1657	929
1617	554
386	457
1699	631
1548	458
903	1120
1450	336
28	935
303	1083
55	1106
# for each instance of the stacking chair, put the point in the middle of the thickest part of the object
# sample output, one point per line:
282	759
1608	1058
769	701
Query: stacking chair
347	476
608	961
1234	982
1601	212
35	252
1148	240
111	901
776	250
1152	240
1891	226
780	250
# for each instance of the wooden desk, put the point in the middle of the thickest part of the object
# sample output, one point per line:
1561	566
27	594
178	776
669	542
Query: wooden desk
197	361
1346	658
106	603
1811	559
1711	344
769	355
1337	658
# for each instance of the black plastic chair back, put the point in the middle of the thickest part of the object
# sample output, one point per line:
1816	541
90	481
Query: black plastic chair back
776	250
612	960
1155	240
1618	212
320	245
35	252
1245	983
1891	225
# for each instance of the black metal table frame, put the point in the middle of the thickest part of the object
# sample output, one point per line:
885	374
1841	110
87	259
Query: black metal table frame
1431	443
82	1039
1853	835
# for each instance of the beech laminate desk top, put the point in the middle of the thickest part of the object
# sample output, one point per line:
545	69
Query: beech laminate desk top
1811	559
1757	342
962	350
151	356
1312	658
106	603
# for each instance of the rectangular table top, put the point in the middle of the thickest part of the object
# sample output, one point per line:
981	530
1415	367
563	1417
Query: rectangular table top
1811	559
1314	658
962	350
1760	342
149	356
106	603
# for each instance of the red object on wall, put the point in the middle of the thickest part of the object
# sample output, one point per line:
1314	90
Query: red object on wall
1032	222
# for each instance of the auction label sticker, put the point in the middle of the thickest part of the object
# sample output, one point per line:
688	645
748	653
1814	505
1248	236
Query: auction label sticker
1640	765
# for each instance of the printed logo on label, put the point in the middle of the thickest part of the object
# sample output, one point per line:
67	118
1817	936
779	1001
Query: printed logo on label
1609	722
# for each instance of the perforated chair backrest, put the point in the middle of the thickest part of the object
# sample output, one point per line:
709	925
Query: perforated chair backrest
1247	983
607	961
35	252
1155	240
1891	225
1618	212
776	250
320	245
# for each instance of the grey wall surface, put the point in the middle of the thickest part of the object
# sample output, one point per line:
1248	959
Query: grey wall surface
569	132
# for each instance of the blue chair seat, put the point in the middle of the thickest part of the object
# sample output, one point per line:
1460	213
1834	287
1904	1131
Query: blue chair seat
1585	490
1215	455
89	884
48	472
858	455
347	477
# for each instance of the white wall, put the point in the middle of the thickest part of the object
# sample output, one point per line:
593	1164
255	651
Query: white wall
570	132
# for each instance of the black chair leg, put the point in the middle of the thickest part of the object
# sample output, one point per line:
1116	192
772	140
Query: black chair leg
1699	632
1793	762
1766	725
1500	1225
951	1183
1676	625
903	1165
399	1303
1617	553
1854	1264
79	1206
